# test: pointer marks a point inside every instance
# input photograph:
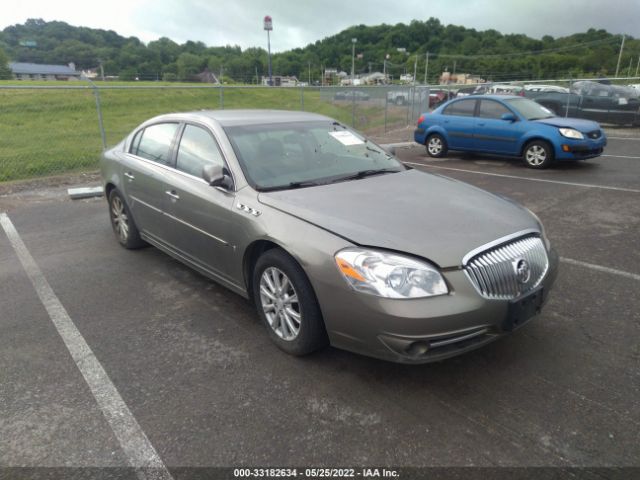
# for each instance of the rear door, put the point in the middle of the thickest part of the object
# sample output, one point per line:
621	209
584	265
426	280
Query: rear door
459	122
144	171
491	133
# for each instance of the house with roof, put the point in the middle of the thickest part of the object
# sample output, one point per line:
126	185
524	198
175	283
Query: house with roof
35	71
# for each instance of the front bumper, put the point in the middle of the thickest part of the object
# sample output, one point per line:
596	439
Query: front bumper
418	330
570	149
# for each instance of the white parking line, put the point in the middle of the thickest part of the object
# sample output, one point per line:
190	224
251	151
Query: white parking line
618	156
572	184
136	446
600	268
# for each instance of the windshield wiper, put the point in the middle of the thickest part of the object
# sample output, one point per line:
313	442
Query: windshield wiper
291	186
365	173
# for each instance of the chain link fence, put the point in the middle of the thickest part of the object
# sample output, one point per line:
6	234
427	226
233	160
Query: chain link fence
54	129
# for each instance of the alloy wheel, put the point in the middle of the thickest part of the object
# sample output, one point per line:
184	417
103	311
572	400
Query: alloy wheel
280	303
434	146
120	218
536	155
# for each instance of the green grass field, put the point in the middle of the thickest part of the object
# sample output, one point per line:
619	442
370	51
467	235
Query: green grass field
51	131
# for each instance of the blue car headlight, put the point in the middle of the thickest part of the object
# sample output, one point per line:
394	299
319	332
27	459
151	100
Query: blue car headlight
571	133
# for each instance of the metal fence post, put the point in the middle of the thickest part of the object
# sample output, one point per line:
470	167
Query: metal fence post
103	135
386	108
566	111
353	108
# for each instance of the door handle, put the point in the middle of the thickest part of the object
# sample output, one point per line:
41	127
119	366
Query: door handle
173	194
129	176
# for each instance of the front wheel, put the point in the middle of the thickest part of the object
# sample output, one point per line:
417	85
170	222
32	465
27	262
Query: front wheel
538	154
436	145
287	304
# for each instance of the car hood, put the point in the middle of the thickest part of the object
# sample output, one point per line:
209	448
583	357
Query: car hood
422	214
578	123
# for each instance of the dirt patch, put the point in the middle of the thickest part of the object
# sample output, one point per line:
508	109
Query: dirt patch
89	179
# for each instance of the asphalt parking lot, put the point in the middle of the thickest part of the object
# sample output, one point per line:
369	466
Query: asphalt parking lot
206	387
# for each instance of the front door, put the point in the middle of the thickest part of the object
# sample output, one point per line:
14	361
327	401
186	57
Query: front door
492	134
198	223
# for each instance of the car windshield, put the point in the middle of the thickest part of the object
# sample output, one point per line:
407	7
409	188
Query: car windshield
301	154
529	109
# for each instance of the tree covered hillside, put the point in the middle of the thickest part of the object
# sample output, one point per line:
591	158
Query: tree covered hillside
489	54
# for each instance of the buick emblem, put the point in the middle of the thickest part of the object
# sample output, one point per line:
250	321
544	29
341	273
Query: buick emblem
522	270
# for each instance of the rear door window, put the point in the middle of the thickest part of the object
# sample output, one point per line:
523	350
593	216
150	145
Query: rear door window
491	109
464	108
156	142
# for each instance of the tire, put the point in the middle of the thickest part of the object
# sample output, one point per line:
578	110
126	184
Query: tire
122	222
436	145
537	154
295	326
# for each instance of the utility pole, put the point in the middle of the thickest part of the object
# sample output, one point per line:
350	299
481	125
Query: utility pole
637	66
353	59
426	67
309	73
415	70
620	56
630	63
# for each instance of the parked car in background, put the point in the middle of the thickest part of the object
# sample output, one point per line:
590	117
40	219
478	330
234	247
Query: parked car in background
595	101
510	126
357	95
535	87
636	87
501	89
474	90
327	234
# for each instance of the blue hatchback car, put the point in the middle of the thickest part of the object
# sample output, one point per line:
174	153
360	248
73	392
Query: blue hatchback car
510	126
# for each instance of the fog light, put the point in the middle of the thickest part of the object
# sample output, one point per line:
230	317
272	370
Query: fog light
566	148
417	349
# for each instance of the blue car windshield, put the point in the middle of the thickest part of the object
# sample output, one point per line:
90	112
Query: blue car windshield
529	109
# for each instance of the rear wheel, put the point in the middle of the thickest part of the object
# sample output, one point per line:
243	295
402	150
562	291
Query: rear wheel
436	145
287	304
122	222
538	154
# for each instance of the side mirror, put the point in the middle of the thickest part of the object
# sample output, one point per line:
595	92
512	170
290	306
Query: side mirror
217	176
508	117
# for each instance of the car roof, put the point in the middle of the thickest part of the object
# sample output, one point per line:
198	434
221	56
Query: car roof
491	97
231	118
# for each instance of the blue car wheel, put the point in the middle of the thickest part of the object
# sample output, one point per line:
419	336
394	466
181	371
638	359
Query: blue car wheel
538	154
436	145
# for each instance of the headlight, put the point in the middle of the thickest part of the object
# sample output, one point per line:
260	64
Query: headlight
389	275
543	232
571	133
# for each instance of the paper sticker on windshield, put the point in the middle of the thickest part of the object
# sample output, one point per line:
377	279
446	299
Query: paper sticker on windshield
346	138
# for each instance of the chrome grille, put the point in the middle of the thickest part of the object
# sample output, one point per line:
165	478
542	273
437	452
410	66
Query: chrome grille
494	272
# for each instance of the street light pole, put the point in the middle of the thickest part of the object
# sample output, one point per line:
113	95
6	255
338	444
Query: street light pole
353	59
268	26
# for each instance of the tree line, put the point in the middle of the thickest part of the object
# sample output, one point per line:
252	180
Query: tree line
398	49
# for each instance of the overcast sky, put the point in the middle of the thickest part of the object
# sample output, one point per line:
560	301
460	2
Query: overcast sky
297	23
